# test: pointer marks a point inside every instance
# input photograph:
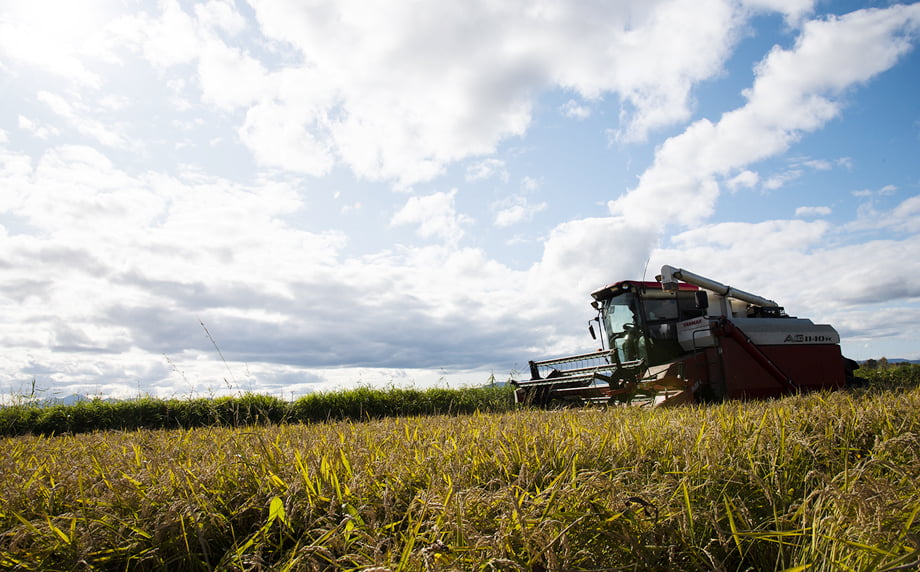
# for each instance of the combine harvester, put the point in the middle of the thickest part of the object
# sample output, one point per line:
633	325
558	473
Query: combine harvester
686	338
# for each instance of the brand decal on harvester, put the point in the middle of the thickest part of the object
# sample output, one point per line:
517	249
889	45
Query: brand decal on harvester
801	338
690	324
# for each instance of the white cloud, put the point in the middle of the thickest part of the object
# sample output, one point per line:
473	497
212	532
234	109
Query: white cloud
221	15
745	178
278	139
888	190
351	207
57	104
229	78
830	56
792	94
123	266
817	164
907	214
170	38
39	131
798	167
779	235
354	95
812	211
56	37
486	169
379	119
905	217
575	110
779	180
515	209
656	82
529	184
518	208
794	10
76	113
581	255
357	97
435	215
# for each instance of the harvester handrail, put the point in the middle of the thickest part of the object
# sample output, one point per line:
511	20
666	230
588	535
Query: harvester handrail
584	378
579	357
587	369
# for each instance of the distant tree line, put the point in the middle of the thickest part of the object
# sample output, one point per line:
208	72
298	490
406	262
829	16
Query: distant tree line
358	404
883	363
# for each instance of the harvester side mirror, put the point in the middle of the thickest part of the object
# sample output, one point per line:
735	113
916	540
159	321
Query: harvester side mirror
702	300
591	330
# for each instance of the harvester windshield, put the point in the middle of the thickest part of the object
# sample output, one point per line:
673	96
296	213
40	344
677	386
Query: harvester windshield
621	326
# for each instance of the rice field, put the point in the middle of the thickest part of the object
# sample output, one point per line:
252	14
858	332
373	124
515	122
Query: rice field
816	482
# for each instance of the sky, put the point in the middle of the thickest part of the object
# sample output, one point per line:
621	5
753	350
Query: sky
287	196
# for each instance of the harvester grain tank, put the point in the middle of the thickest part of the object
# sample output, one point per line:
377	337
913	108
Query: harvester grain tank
686	338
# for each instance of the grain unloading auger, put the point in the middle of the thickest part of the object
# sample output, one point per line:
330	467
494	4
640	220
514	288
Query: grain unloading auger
688	338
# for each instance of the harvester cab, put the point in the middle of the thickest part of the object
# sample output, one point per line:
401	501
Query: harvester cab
688	338
639	320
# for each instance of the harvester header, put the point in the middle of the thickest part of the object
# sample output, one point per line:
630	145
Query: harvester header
687	338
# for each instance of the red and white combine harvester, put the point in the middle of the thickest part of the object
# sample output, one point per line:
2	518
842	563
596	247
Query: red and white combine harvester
686	338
